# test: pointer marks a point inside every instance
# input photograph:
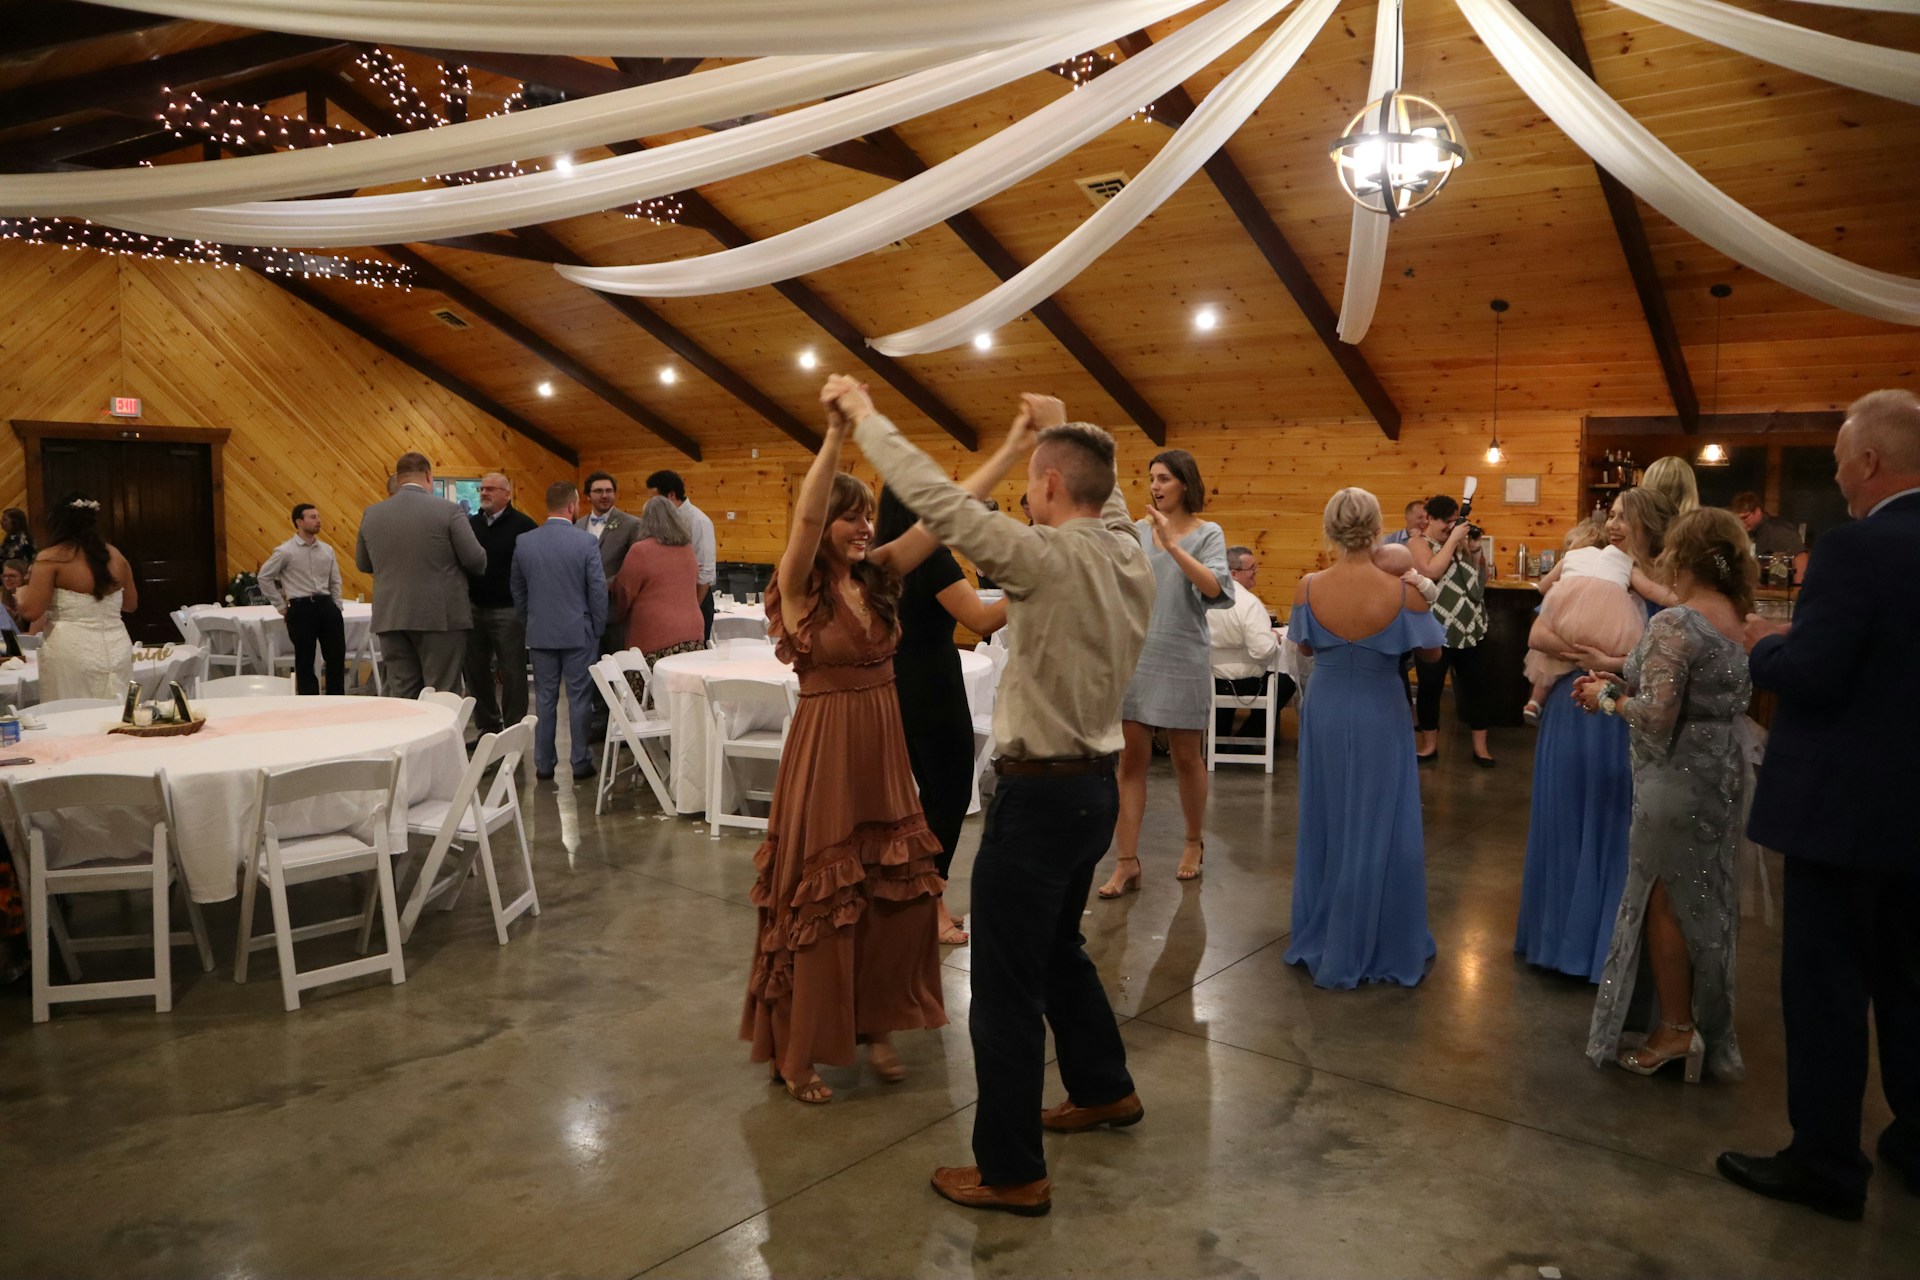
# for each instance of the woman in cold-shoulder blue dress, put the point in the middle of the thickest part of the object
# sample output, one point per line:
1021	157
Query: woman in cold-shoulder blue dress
1360	878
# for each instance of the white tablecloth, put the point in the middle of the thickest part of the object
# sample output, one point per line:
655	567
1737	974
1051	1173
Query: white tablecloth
738	620
262	629
21	685
215	774
677	689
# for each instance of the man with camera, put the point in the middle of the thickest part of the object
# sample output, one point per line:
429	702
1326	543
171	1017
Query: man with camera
1453	553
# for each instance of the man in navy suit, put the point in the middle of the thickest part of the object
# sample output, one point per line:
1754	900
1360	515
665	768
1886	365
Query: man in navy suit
560	592
1835	797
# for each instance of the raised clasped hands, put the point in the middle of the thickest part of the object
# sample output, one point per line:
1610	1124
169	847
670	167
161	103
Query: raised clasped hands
845	400
1162	532
1037	413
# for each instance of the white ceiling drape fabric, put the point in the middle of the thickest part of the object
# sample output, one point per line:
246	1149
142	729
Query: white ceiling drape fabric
661	28
721	94
1873	6
984	170
1625	148
1367	244
1871	68
1205	132
606	184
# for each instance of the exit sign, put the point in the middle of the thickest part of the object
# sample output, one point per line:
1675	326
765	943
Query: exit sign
124	407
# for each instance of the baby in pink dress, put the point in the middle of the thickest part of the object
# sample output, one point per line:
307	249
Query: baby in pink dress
1588	600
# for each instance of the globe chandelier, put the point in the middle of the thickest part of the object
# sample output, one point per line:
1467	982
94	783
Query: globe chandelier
1397	153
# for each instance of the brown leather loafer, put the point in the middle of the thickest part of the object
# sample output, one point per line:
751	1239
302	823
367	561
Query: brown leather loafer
1067	1118
963	1187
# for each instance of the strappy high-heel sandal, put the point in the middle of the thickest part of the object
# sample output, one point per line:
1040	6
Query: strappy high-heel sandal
1120	884
813	1091
1646	1062
1191	872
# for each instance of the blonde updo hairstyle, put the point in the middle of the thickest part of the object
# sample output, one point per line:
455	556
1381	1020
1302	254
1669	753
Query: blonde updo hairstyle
1673	478
1352	520
1712	545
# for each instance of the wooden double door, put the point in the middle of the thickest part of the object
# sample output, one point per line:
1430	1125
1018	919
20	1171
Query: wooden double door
158	491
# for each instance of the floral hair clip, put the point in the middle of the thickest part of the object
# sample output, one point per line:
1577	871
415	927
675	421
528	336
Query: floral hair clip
1720	563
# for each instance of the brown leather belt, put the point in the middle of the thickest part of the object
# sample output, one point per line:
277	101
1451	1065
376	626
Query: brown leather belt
1056	767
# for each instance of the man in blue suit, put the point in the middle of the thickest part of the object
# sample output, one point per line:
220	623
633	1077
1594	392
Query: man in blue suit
1835	797
560	593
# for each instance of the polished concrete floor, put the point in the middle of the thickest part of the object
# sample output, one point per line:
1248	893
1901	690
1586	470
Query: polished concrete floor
575	1103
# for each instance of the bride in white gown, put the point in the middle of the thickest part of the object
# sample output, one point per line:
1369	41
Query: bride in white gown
81	585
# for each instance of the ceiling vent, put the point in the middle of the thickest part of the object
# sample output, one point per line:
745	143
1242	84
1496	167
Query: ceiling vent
449	317
1102	187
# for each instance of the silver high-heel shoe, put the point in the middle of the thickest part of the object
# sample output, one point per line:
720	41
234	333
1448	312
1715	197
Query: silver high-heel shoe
1645	1062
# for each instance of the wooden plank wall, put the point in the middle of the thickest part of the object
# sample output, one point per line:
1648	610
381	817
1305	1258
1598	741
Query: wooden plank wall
317	415
1267	482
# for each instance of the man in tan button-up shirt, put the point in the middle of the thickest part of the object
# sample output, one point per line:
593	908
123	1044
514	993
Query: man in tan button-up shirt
1079	592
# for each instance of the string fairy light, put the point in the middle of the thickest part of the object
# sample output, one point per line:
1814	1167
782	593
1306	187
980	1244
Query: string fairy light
1083	68
78	233
661	211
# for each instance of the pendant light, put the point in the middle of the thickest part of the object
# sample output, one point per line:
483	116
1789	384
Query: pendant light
1495	456
1715	455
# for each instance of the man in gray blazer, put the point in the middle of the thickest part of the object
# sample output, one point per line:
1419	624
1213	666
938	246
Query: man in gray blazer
614	530
419	550
560	592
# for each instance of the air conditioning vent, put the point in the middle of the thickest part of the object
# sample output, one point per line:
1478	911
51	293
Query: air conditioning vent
449	317
1102	187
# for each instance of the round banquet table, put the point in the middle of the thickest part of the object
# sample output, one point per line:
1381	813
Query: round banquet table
263	630
20	685
678	691
214	775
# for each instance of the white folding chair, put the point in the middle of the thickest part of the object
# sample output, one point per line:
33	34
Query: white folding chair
154	869
628	725
277	863
475	811
367	653
738	628
278	659
247	687
28	643
1265	701
462	707
222	639
733	705
188	665
183	623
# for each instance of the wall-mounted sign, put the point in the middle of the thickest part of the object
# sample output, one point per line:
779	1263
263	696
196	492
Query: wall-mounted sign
124	407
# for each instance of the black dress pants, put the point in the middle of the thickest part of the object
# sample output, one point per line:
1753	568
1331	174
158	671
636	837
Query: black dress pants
1044	837
1850	938
315	620
1470	687
706	613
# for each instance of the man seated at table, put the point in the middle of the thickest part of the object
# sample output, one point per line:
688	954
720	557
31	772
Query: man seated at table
301	579
1245	648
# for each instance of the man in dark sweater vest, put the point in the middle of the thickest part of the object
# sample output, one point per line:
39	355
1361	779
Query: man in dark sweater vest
497	642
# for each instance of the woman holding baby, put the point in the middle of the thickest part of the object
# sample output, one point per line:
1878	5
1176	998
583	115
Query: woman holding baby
1360	878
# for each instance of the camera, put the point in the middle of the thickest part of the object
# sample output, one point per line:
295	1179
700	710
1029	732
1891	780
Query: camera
1466	508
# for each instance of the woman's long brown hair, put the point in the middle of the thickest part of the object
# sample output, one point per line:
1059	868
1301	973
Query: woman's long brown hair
882	588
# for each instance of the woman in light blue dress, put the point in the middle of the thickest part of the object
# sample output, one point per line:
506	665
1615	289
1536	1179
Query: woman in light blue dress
1359	875
1172	687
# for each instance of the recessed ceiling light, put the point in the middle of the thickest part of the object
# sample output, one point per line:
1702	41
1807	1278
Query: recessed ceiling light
564	164
1206	318
545	389
669	375
983	342
808	360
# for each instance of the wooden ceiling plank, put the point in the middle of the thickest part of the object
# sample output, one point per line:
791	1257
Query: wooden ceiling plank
987	247
724	375
433	277
495	244
1557	21
47	24
352	322
1173	108
32	104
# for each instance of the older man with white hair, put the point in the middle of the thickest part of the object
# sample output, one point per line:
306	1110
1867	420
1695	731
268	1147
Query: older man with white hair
1835	798
498	641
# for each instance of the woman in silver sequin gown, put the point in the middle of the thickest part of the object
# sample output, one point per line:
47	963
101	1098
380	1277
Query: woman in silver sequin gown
1685	689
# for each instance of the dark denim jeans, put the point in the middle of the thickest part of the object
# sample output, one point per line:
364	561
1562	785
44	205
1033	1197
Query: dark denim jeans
1043	839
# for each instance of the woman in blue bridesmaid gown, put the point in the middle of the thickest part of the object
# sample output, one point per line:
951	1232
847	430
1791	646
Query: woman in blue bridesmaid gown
1576	862
1359	876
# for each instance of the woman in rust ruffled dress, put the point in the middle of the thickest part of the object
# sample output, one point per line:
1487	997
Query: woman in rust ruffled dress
846	885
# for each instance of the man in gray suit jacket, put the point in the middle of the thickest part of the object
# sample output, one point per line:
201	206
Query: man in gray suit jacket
419	550
560	592
614	530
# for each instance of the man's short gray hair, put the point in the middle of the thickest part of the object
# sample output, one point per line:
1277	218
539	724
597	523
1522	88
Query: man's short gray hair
1888	422
1234	554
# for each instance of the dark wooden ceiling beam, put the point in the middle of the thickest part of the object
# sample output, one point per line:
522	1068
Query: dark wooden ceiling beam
987	247
495	244
35	25
570	76
1776	423
1173	108
654	70
1558	23
722	374
29	155
433	277
406	355
32	104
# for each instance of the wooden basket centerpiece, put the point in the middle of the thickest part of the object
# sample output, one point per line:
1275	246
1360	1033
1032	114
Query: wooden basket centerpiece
181	720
